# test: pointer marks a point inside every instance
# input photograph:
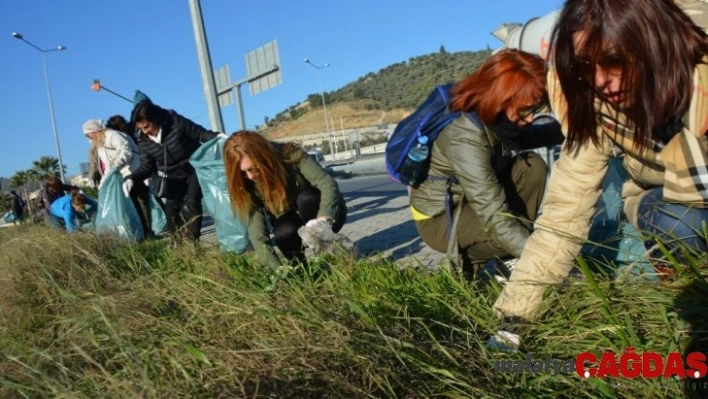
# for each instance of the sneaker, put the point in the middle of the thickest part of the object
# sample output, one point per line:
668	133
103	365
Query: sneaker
504	269
504	341
510	264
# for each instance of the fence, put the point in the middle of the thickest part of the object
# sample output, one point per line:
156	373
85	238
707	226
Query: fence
346	143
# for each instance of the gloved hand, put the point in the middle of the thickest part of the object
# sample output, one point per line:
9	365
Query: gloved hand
127	186
222	136
320	229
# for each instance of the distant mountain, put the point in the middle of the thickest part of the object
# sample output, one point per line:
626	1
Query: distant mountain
386	96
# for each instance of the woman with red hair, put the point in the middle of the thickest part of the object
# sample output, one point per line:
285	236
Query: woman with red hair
281	181
495	196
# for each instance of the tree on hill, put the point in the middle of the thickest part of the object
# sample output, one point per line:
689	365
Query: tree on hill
400	86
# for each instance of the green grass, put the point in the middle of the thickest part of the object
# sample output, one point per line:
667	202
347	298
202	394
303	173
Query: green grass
91	317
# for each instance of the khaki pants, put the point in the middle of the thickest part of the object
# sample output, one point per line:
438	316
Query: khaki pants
524	183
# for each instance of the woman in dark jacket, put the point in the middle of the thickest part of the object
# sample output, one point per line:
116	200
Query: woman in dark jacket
495	196
282	181
166	141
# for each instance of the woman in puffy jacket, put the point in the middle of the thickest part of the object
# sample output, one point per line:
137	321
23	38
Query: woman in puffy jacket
166	140
632	77
495	196
283	182
118	151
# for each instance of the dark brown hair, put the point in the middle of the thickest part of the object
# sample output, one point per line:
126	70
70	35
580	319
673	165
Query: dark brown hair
78	199
118	122
271	161
660	46
147	111
509	78
54	183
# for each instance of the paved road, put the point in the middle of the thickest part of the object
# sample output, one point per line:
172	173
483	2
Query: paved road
379	221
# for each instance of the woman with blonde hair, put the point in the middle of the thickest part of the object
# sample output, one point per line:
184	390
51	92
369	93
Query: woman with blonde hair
281	181
118	151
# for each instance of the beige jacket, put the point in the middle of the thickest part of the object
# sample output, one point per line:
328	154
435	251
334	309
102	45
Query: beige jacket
575	186
118	151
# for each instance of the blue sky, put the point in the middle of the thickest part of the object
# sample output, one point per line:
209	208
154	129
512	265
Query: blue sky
149	45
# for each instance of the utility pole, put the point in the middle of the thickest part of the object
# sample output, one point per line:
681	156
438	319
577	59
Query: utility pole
217	122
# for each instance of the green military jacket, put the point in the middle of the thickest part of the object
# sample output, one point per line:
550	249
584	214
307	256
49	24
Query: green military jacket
474	155
304	173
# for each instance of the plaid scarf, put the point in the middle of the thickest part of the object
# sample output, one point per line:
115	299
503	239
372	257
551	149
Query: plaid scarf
684	159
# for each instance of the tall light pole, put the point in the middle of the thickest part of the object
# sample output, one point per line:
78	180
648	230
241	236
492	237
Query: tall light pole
16	35
217	122
332	149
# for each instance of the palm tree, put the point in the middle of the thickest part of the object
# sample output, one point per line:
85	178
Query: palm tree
6	202
47	166
22	179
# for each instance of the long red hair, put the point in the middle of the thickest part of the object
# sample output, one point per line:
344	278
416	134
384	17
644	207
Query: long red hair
509	78
272	163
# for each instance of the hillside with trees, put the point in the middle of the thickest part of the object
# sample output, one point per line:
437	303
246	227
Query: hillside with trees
386	96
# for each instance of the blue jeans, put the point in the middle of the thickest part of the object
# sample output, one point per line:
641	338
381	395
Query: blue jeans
676	226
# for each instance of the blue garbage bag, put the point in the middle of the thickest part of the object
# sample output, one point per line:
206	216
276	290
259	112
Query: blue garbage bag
612	237
231	231
9	217
157	215
116	212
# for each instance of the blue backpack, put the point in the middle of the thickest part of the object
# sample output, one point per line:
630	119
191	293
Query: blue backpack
429	120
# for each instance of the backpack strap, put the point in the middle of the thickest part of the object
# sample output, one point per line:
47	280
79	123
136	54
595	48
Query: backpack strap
453	217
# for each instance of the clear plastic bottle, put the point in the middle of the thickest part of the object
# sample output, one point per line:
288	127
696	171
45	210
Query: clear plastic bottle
410	173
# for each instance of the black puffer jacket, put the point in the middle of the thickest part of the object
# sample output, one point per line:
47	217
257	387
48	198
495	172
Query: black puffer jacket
181	137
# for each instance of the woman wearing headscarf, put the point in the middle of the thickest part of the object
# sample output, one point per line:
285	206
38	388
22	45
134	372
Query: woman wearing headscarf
116	150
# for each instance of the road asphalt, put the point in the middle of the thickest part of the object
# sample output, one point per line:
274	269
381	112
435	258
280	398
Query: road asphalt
380	223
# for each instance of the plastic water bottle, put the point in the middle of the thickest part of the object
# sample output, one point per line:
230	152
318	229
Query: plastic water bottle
411	169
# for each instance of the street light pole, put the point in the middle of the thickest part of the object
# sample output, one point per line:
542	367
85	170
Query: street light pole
332	149
16	35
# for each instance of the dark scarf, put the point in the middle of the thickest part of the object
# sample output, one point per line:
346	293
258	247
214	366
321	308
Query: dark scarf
508	132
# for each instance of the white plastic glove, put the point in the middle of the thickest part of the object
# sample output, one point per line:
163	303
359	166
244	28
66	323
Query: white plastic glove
222	136
321	229
504	341
127	186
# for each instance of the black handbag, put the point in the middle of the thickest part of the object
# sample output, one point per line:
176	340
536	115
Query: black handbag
158	186
164	187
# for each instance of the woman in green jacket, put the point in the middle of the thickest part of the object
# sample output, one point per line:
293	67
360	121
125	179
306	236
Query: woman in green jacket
495	196
281	181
